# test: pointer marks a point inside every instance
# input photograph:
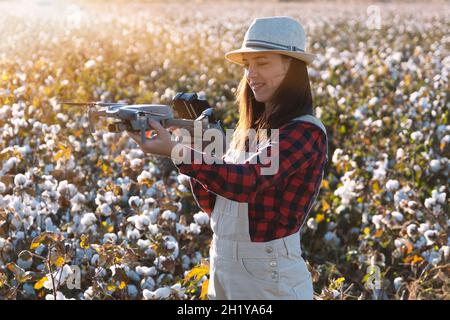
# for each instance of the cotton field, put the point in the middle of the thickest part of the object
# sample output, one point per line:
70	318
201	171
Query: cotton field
90	216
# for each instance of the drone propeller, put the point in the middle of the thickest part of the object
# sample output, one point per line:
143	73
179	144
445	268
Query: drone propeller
97	103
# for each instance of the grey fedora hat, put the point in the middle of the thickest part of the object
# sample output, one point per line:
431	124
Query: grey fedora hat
279	34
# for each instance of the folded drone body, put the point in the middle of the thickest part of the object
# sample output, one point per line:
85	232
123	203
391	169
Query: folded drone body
186	112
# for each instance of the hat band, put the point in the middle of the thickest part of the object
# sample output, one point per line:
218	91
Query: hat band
270	45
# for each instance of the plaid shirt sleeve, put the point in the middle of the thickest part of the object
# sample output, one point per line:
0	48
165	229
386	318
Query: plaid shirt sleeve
299	147
204	198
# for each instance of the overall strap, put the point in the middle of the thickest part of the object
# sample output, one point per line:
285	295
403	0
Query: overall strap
312	119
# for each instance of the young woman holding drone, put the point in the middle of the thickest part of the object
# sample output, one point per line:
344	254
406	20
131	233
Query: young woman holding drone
256	219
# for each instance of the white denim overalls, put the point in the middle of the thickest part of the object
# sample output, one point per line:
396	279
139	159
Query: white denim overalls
242	269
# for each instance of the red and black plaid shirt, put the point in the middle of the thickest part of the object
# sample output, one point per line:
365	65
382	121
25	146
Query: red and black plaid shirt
277	204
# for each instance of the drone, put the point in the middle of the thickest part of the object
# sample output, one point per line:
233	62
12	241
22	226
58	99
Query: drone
186	110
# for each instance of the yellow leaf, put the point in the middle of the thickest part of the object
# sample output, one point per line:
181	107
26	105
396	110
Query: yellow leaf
119	159
197	272
58	155
122	285
84	243
34	245
204	289
2	279
59	261
111	287
416	259
325	205
376	186
320	217
77	133
378	234
366	231
339	280
407	80
38	285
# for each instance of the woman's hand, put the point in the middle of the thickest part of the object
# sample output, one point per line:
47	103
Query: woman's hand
160	144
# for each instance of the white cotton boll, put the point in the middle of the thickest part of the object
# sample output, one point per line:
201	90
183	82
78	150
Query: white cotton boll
20	180
392	185
146	271
400	153
109	238
59	296
133	234
90	64
2	187
201	218
435	165
59	277
136	164
376	220
194	228
423	227
135	154
169	215
108	138
153	228
335	293
133	275
180	229
160	293
110	198
9	164
429	203
88	294
179	290
147	283
88	219
438	196
430	236
412	230
398	282
145	175
312	224
132	290
397	216
416	136
336	155
172	244
105	210
182	188
399	242
135	201
143	244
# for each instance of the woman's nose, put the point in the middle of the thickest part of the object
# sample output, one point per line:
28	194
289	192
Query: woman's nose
251	72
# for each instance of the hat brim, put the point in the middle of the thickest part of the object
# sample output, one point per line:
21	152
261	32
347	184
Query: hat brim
237	55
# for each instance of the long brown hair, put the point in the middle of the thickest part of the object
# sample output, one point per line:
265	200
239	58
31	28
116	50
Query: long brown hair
291	99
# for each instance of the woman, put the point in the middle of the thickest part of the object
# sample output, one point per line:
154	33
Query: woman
256	218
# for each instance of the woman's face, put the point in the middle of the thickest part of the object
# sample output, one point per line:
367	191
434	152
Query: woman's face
264	72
